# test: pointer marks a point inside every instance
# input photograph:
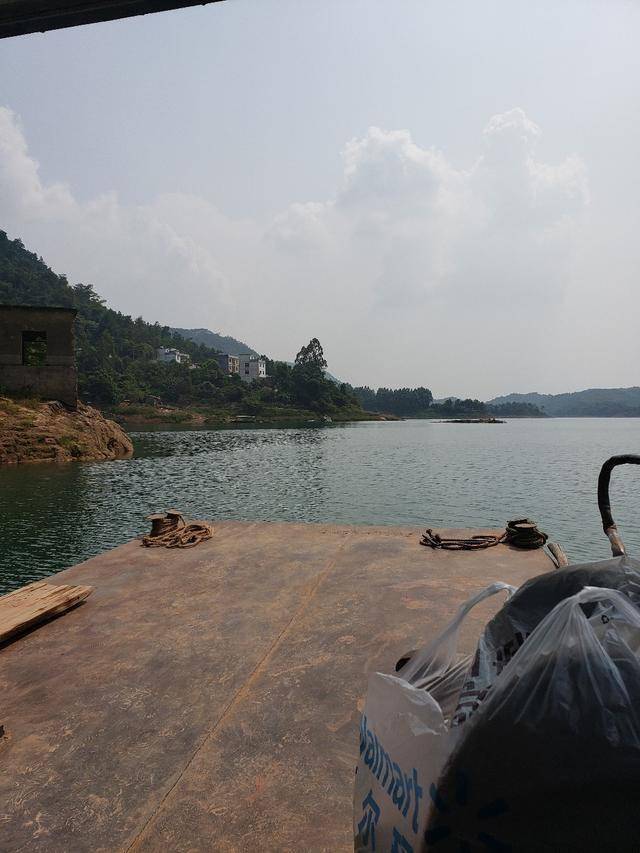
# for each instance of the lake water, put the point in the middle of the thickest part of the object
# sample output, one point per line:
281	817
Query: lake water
404	473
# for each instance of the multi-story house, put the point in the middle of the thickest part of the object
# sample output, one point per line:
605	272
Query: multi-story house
252	367
229	364
169	354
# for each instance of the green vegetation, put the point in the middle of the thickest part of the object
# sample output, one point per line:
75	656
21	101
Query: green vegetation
418	403
116	354
406	402
117	365
118	370
203	415
304	385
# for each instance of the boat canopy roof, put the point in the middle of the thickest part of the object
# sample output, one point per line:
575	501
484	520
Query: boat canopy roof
19	17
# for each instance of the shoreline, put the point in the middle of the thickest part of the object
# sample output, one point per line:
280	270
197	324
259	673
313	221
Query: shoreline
130	416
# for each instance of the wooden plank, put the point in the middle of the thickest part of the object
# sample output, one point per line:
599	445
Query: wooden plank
35	603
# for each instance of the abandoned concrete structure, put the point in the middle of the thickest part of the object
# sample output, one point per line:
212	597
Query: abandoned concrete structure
37	352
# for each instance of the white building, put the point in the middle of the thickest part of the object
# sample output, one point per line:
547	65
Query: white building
168	354
252	367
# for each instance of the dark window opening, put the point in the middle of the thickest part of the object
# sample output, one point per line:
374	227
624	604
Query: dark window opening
34	349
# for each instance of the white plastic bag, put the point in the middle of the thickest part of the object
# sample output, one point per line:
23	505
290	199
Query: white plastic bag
550	761
405	739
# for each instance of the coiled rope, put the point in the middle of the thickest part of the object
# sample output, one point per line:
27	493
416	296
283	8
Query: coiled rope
521	532
172	531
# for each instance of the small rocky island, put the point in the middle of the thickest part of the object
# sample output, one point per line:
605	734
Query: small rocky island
487	420
34	431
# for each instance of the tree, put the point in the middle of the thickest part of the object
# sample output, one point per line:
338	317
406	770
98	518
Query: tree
399	401
101	387
312	356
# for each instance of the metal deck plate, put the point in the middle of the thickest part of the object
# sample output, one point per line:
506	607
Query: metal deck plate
207	699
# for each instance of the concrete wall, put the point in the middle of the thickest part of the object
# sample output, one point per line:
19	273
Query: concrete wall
229	363
57	378
252	367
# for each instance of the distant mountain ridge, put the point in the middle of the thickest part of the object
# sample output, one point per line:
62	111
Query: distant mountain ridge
593	402
224	343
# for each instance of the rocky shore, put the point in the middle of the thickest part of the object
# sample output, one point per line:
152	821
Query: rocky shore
34	431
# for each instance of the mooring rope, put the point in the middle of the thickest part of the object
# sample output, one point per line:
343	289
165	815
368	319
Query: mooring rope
434	540
521	532
172	531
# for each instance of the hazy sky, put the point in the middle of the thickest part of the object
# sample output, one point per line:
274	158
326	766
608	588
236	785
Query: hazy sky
445	193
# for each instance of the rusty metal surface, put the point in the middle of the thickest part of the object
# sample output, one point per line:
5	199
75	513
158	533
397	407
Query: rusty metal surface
208	699
19	17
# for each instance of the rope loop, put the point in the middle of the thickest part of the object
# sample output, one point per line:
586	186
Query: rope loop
172	531
521	532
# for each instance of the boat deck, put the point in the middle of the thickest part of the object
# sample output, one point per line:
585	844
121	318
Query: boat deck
208	699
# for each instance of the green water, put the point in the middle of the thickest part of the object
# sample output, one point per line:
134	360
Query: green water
412	472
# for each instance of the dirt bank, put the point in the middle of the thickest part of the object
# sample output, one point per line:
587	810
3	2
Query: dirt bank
134	415
33	431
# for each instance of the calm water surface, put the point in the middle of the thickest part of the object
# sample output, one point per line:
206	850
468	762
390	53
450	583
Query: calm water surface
407	473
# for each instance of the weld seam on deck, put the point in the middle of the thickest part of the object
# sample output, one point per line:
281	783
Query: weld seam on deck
242	690
220	528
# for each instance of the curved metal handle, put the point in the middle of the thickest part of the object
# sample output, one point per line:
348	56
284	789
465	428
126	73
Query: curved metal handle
608	524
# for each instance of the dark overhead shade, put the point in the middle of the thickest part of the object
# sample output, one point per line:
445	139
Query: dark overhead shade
18	17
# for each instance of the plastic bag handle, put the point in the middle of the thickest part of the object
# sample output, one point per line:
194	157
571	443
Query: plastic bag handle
433	660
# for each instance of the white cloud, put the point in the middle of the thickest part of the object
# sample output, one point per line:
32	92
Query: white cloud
22	195
409	255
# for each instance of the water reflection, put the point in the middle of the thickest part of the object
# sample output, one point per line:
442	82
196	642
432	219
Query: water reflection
412	473
46	520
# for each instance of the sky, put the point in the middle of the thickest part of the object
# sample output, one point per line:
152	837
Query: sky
444	193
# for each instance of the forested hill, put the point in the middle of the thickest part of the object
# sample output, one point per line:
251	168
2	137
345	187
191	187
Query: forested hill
112	348
117	364
223	343
594	402
419	403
